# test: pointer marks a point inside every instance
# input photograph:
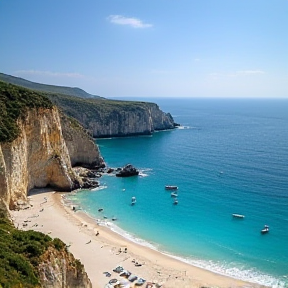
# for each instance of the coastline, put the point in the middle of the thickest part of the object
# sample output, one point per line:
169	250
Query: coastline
101	253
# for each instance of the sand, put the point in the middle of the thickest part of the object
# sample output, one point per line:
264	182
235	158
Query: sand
101	253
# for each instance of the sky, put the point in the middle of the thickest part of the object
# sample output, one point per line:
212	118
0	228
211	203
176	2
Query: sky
149	48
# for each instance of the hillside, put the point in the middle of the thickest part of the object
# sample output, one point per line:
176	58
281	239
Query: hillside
46	88
114	118
14	101
26	257
107	118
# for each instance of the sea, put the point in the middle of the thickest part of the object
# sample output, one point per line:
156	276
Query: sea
227	156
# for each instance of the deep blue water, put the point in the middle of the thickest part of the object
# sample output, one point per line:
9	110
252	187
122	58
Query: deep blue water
229	156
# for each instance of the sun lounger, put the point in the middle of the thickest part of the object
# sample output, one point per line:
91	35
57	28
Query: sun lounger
118	269
125	273
140	281
132	278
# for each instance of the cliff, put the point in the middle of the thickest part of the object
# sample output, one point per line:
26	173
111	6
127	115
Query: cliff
106	118
81	146
126	121
33	259
60	269
38	157
37	153
103	117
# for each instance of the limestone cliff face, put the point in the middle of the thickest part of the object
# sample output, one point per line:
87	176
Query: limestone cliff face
36	158
60	269
81	147
140	119
160	120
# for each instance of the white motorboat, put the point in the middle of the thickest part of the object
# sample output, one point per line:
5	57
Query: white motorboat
171	187
133	200
238	216
265	229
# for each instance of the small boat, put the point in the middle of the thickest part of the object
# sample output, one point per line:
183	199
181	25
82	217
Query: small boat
175	201
170	187
114	219
100	209
133	200
238	216
265	229
174	194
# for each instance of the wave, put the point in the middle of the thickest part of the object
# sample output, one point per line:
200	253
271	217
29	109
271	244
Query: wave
185	127
251	275
230	269
99	188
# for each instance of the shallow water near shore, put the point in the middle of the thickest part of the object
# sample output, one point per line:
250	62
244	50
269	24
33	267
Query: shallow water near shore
228	156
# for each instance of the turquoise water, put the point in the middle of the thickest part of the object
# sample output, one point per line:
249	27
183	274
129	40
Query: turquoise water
229	156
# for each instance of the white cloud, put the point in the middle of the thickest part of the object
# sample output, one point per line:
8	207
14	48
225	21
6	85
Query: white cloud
48	73
133	22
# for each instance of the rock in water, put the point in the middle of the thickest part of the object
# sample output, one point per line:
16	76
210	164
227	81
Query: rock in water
127	170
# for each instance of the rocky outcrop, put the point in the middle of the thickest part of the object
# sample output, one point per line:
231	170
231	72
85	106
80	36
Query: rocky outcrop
138	119
36	158
103	117
39	156
60	269
127	171
82	149
111	118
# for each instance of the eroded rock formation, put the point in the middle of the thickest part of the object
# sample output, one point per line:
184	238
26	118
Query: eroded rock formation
141	120
81	146
39	156
60	269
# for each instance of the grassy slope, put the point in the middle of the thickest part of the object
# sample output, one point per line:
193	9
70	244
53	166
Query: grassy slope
20	254
14	101
74	105
44	87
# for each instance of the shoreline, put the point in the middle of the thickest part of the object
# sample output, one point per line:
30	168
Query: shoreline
107	250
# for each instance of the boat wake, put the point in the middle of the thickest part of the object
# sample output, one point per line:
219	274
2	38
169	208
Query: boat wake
144	172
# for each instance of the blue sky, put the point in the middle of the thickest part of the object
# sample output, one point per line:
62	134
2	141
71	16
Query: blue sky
149	48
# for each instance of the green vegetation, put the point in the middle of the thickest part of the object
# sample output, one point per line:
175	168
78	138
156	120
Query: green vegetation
45	88
92	110
14	101
20	254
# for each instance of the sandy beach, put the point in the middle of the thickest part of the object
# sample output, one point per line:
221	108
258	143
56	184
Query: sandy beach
101	250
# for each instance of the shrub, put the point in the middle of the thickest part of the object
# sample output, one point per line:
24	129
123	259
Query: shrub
14	102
